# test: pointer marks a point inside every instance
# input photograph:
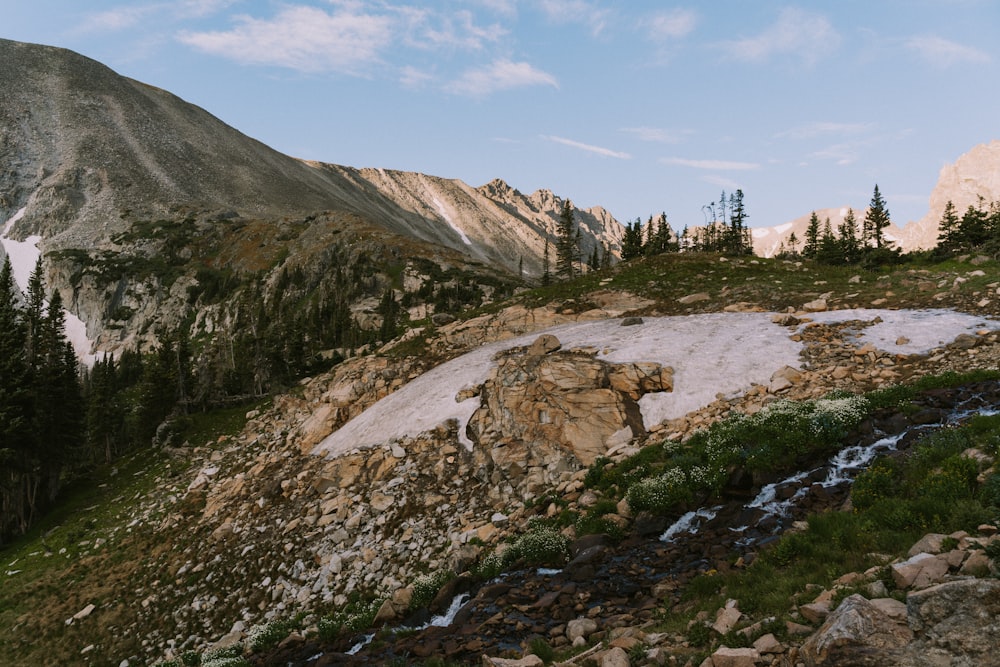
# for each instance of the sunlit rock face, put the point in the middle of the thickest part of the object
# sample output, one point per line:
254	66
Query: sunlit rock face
541	404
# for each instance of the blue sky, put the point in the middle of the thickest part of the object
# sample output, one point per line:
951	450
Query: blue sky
636	106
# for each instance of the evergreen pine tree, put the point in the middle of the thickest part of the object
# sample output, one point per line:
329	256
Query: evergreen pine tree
847	237
632	246
546	263
15	427
738	242
566	242
811	248
34	313
949	230
829	250
389	309
973	228
875	222
793	244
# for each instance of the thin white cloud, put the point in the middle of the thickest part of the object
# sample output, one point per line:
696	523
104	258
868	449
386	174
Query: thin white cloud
500	75
306	39
656	134
605	152
722	182
576	11
671	24
842	154
820	128
713	165
119	18
502	7
797	33
413	78
199	8
126	17
944	53
456	30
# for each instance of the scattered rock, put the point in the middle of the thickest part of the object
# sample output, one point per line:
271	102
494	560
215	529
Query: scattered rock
580	627
735	657
694	298
856	633
815	306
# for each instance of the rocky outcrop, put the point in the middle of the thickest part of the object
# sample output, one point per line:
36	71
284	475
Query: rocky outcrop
540	406
973	175
950	617
858	633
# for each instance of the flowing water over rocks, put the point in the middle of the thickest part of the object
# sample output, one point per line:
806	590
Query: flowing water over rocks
628	584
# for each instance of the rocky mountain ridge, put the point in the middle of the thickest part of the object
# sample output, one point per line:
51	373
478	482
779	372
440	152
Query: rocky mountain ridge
98	164
94	157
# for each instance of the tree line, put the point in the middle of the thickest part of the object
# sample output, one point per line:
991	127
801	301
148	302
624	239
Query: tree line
726	232
978	230
41	402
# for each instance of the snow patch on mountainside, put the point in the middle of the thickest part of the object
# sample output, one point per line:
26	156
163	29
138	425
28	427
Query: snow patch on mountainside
714	353
23	254
447	218
23	258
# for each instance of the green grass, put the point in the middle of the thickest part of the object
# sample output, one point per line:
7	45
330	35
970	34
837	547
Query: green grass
897	501
85	552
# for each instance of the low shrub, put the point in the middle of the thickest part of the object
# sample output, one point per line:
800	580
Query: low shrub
989	493
230	656
268	635
426	586
542	546
541	648
355	617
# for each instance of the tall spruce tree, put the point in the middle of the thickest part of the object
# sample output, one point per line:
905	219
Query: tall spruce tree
847	237
738	237
948	230
15	426
632	246
546	265
828	251
875	222
811	248
567	243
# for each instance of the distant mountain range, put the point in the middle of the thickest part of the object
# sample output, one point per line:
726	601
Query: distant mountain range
86	149
89	157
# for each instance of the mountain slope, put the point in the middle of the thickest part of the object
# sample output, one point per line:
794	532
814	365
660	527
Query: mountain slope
97	163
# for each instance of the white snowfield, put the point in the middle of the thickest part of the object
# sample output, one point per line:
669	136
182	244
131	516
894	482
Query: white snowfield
716	353
23	257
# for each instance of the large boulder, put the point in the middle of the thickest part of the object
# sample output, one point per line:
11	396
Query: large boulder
856	633
960	617
540	404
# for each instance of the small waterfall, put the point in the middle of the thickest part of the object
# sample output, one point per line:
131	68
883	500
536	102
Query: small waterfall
361	644
448	617
690	523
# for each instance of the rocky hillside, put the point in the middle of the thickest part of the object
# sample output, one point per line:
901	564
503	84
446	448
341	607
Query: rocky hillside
101	167
224	539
